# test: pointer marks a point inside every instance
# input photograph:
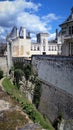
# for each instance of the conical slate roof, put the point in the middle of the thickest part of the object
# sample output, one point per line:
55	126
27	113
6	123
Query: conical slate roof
13	33
69	19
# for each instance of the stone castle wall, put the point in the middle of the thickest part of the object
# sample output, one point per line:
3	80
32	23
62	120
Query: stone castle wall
3	64
56	74
54	102
56	70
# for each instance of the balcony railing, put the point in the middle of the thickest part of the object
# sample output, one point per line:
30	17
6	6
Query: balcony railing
68	36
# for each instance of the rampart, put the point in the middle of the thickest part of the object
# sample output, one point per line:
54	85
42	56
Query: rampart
56	75
3	64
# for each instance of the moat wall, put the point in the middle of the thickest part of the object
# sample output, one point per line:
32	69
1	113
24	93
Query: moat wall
3	64
56	74
54	102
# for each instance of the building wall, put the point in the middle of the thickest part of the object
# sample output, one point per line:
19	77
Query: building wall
65	49
3	64
67	35
21	47
50	49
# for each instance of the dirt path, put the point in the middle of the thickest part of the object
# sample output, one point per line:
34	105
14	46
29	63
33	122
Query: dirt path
1	80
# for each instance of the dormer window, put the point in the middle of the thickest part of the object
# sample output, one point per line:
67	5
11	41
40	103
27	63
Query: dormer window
69	30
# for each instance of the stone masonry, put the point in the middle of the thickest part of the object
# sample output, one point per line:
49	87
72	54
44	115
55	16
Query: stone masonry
56	75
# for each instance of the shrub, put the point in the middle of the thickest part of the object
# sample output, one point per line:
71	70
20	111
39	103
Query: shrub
27	71
18	73
37	93
58	121
1	74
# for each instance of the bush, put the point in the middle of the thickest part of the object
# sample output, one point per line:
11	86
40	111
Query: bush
57	121
27	71
18	73
1	74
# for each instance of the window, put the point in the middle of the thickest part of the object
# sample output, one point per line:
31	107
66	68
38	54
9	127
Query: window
55	48
43	48
44	42
72	29
34	48
38	48
69	30
48	48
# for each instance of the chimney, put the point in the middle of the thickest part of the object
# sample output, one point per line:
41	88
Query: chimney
24	33
56	34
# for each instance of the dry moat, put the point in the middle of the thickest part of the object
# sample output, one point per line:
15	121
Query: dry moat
11	115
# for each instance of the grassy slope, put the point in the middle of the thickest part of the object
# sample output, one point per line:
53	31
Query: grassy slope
26	105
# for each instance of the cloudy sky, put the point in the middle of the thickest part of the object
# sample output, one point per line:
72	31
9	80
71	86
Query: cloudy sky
35	15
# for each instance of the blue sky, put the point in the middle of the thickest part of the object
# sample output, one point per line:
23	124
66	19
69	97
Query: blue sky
35	15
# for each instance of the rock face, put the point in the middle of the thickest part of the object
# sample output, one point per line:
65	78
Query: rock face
4	105
66	125
31	126
11	115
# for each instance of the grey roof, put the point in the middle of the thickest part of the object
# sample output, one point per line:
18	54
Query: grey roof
13	33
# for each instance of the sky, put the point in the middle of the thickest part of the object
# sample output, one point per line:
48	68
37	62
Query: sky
36	15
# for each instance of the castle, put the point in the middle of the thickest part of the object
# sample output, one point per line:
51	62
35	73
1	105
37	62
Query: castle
22	46
19	43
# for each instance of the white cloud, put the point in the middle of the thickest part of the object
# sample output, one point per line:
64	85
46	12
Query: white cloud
1	30
48	18
9	10
31	21
52	36
23	13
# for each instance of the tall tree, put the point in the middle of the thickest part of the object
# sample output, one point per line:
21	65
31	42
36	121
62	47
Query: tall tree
18	73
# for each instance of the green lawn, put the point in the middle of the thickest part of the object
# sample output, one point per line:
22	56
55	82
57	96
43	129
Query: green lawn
26	105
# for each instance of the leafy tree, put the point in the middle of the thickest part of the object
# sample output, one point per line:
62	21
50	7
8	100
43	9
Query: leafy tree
27	71
18	65
1	74
18	73
37	93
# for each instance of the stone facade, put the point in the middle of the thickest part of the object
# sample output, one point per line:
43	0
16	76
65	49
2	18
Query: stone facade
66	35
22	45
3	64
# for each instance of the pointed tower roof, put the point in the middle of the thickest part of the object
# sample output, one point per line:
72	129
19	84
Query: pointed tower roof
69	19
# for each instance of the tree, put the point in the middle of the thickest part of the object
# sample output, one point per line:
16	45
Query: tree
27	71
18	65
1	74
18	73
37	93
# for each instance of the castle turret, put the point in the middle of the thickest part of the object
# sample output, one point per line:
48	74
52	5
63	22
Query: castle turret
22	32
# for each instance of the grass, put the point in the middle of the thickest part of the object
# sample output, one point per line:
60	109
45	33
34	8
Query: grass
26	105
